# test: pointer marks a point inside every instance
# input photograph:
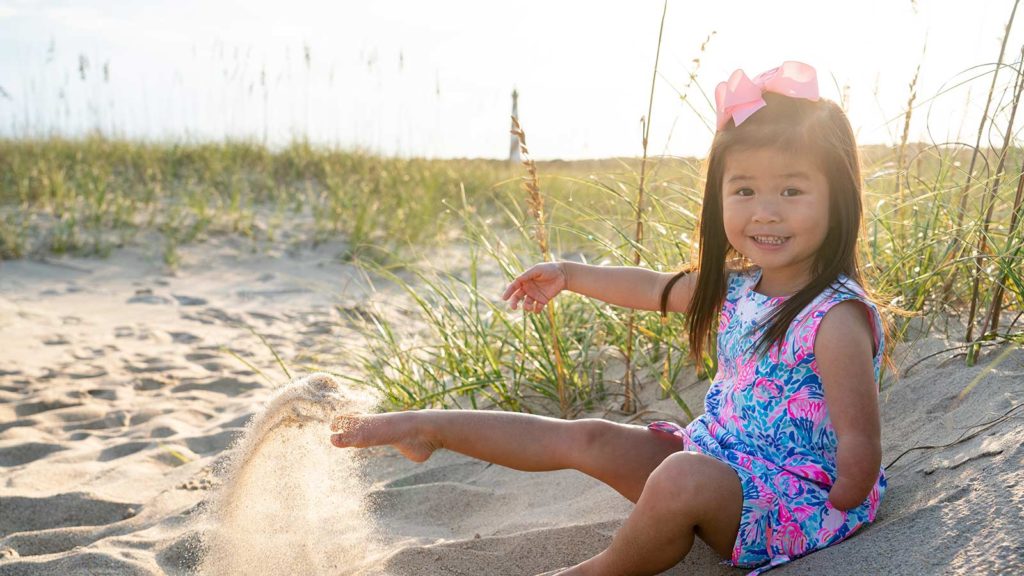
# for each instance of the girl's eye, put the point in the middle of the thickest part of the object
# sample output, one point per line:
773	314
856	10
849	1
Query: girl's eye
791	192
744	192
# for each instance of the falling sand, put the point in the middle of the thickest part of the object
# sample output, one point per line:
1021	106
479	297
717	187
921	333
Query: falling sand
290	502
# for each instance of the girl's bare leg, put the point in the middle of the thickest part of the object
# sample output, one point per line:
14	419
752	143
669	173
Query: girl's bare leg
688	494
619	455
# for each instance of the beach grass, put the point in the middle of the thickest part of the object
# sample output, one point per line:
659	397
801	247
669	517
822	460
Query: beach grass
90	196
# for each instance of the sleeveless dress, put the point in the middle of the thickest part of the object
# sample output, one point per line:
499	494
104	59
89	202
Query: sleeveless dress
766	418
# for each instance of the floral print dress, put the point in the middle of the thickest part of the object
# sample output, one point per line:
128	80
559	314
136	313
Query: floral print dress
766	418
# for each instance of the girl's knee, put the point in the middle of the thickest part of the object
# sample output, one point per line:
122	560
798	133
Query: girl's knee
680	479
597	443
590	434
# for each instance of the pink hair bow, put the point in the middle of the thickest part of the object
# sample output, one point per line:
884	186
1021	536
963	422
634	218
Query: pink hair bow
739	97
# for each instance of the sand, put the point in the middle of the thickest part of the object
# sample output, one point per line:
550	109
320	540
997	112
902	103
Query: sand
119	407
282	475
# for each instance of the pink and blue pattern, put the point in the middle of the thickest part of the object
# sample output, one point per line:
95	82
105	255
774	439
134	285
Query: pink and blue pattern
765	416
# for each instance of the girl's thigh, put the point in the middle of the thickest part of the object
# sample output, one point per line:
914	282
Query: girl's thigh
622	456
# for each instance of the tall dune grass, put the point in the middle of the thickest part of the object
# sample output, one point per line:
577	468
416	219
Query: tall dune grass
88	196
93	195
943	242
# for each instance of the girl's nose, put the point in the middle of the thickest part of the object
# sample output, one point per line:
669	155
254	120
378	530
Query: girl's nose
766	210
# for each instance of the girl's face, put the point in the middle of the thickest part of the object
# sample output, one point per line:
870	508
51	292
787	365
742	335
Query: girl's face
775	211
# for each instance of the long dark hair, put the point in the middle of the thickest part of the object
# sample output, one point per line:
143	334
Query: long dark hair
795	126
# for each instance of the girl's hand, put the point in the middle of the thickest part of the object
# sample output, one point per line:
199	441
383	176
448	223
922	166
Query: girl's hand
537	286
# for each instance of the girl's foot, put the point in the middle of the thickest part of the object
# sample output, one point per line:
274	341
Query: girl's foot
403	430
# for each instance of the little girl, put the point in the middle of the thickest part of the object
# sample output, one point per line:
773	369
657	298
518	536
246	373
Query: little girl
786	458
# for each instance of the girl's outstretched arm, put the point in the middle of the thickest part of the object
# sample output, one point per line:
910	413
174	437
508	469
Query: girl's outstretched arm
627	286
843	351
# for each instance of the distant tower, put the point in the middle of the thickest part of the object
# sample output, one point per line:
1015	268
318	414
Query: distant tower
513	151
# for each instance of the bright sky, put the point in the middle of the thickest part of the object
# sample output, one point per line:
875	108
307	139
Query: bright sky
434	79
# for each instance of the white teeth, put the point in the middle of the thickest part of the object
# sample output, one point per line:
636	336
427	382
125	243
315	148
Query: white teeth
770	239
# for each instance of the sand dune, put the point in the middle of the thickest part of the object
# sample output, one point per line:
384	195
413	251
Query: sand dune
118	405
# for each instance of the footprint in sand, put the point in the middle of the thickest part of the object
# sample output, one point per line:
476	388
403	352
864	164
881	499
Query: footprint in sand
103	393
213	316
28	452
210	362
146	296
22	514
155	382
354	313
184	337
267	318
122	450
56	340
124	332
226	385
268	294
213	443
189	300
87	372
318	327
89	353
149	364
33	408
4	426
93	417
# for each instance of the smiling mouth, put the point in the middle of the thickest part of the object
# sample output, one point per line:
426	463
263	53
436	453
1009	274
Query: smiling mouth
770	240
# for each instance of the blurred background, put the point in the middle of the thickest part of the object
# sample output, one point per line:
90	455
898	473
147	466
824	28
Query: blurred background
414	79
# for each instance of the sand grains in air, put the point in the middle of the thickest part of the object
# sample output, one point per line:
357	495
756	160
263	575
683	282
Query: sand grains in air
291	503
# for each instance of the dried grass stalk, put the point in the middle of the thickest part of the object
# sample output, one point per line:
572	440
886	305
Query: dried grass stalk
629	402
988	206
535	205
962	204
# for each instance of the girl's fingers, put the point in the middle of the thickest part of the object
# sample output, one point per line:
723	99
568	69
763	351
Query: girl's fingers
517	285
513	294
535	292
512	288
522	281
529	294
517	299
532	305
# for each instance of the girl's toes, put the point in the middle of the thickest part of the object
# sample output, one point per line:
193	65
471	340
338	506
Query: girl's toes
343	422
347	430
398	429
342	440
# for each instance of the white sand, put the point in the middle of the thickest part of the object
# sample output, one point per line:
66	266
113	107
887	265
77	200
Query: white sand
117	404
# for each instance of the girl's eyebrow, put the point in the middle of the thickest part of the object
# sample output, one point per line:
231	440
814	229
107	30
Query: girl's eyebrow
787	176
